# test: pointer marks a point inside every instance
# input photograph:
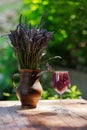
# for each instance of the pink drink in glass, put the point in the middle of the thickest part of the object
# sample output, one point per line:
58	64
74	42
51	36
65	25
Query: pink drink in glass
61	81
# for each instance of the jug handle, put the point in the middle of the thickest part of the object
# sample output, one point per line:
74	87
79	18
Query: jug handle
12	79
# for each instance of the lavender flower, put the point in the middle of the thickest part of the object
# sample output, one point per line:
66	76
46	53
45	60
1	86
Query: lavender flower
29	44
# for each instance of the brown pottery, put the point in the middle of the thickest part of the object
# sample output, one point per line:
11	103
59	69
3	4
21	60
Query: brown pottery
29	89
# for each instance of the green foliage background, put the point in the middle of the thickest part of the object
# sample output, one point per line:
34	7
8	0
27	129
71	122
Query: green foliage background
68	20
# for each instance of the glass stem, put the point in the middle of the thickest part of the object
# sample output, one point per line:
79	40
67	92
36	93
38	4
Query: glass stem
60	99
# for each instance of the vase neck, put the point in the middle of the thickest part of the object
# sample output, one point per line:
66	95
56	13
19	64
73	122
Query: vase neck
29	76
29	70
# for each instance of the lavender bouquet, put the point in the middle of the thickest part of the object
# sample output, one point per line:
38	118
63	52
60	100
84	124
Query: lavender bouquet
29	43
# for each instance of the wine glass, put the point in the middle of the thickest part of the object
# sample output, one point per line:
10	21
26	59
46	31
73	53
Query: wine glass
61	81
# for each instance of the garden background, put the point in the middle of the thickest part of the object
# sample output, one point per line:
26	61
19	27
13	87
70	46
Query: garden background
68	20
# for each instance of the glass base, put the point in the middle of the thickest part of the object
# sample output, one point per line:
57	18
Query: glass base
61	110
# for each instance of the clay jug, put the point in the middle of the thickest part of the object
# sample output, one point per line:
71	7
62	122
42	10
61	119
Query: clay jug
29	90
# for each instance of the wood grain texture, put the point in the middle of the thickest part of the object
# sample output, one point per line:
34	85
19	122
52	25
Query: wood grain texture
45	117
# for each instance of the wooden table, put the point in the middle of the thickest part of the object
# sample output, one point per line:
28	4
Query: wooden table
45	116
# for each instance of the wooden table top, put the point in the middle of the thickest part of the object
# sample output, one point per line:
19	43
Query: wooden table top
45	117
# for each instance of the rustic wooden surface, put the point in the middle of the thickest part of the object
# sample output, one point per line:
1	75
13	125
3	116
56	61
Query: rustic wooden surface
45	116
